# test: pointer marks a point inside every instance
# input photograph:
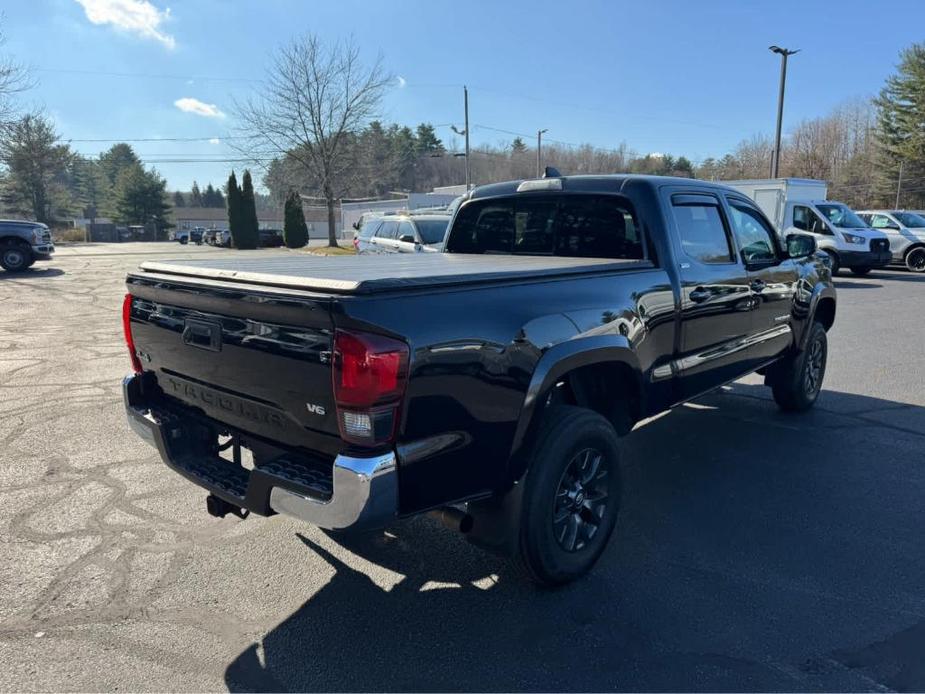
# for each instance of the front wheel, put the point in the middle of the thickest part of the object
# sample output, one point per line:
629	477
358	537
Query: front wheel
571	496
797	380
15	258
833	262
915	260
861	271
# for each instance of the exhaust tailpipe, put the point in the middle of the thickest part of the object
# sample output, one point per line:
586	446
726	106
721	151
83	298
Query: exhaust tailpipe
453	518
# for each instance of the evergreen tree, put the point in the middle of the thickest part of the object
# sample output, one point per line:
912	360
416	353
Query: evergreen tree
249	224
117	159
426	140
91	190
140	198
295	230
234	210
179	200
518	146
900	115
212	198
195	196
34	165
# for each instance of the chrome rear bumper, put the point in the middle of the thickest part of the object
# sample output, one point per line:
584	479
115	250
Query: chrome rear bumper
361	492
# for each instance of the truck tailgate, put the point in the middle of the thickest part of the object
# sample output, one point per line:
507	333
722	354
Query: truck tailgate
258	362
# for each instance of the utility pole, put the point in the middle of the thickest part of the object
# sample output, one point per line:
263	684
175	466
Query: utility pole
466	106
899	182
775	157
465	132
539	149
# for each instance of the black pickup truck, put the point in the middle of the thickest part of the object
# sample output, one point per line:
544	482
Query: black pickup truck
488	384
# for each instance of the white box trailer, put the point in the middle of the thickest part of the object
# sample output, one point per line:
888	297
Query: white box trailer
773	194
800	205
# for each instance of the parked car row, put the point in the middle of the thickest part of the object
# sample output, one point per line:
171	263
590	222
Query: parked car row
269	238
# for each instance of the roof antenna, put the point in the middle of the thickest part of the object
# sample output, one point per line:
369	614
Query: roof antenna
551	172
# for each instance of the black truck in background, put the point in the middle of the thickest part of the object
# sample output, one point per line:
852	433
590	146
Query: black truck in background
488	384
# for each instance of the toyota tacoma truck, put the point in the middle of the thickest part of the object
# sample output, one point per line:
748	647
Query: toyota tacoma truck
488	384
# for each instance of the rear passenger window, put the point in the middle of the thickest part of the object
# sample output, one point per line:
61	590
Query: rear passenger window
388	230
583	226
368	229
702	232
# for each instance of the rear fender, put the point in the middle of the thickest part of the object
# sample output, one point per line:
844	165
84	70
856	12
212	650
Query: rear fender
558	361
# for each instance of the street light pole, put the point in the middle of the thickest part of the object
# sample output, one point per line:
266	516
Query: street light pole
539	148
783	53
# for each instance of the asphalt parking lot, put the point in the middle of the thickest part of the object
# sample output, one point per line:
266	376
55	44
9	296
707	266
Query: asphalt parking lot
755	550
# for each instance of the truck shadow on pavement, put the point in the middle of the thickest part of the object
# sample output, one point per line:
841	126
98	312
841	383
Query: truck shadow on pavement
755	551
32	273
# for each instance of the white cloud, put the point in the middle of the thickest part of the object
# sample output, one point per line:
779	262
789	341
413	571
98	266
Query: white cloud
215	141
190	105
401	82
133	16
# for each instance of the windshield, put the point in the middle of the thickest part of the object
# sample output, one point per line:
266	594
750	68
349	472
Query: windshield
841	216
432	230
910	219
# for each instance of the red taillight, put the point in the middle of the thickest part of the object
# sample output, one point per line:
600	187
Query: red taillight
127	330
370	373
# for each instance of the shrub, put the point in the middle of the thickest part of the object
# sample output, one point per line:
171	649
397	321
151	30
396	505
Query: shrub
295	230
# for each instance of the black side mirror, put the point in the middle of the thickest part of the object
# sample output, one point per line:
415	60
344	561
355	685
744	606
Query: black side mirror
800	245
356	225
406	238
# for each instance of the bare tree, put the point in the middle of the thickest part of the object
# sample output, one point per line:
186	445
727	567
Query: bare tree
316	98
13	80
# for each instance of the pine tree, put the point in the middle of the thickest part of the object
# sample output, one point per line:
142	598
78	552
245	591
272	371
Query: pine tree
179	200
195	197
249	224
518	146
900	114
295	230
211	198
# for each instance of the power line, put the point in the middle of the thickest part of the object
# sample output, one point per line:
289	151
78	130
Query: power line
111	73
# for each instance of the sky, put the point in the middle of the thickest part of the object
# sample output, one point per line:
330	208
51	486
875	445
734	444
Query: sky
681	77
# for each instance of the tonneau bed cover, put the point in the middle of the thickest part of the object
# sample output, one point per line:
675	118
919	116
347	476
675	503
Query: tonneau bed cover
377	273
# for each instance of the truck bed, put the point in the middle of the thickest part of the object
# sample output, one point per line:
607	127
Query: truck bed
376	273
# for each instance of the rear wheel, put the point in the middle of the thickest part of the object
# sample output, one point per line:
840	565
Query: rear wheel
915	259
571	497
797	381
15	257
860	271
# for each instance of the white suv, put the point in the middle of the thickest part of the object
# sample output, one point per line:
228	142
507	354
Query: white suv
906	232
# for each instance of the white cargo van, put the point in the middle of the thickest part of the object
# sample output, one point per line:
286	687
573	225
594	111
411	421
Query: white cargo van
800	205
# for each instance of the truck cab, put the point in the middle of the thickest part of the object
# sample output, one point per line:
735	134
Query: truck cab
840	233
801	205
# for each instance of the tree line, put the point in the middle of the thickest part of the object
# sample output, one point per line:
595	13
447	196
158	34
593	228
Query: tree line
45	180
210	197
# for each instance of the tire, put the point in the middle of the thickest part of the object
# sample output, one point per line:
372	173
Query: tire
15	257
571	496
861	271
915	259
836	266
797	381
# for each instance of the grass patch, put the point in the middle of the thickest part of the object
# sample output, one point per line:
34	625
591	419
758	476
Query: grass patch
329	250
